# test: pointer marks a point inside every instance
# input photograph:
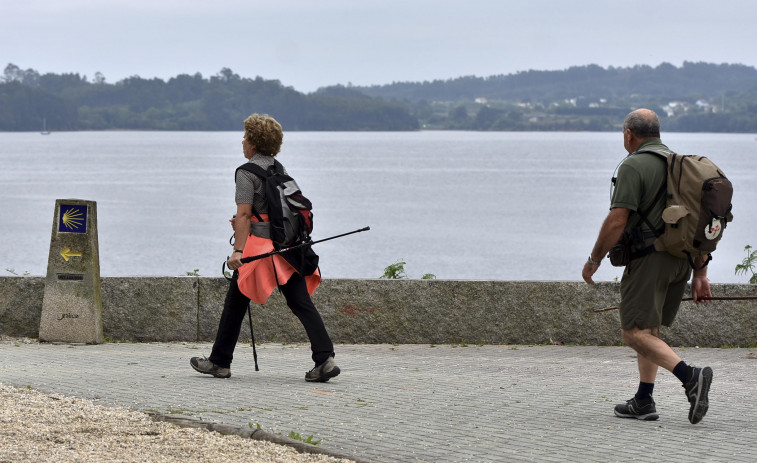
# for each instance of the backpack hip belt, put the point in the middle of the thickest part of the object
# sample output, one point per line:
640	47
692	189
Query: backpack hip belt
260	229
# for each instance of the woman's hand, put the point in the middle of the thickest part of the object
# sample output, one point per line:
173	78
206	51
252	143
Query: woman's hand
235	261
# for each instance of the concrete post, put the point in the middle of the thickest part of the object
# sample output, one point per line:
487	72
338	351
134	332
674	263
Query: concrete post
72	303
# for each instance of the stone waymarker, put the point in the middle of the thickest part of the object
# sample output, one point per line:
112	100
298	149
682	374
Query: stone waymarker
72	304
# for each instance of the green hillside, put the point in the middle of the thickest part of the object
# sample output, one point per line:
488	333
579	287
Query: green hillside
695	97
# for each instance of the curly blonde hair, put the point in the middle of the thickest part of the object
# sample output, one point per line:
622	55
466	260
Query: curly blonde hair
264	132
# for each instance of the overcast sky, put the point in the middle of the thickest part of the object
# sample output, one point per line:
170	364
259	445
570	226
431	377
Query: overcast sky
308	44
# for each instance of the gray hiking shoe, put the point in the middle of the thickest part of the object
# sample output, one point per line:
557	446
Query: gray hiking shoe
696	391
641	409
323	372
203	365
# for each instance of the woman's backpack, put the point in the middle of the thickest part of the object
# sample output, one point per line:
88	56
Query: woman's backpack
290	216
289	212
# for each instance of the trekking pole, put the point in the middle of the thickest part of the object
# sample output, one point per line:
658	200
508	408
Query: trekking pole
252	338
301	245
711	298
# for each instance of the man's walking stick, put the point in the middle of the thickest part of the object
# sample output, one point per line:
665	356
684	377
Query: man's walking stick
712	298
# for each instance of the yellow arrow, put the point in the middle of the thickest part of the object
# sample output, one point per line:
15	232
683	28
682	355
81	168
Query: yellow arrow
67	254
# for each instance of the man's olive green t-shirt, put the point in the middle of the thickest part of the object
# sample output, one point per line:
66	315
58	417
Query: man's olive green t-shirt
638	183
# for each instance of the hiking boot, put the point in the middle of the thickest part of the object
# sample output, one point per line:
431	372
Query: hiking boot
203	365
323	372
696	390
641	409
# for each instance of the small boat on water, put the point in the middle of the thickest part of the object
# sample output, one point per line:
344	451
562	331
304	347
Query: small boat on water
44	127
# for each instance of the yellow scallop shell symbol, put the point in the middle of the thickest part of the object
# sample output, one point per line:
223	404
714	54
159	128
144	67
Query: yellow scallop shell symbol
73	219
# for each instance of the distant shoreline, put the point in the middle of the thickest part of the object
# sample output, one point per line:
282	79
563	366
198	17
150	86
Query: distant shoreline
366	131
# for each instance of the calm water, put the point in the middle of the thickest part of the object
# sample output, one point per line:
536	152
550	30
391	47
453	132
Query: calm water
460	205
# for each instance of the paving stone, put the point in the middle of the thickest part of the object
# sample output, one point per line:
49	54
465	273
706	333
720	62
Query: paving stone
419	403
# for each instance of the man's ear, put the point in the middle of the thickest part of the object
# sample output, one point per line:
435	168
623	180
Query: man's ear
632	142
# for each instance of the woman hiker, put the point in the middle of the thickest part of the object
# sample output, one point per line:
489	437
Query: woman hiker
257	280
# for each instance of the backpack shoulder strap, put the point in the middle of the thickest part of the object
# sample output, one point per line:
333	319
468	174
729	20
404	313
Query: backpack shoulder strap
260	172
657	152
252	168
278	167
660	154
660	194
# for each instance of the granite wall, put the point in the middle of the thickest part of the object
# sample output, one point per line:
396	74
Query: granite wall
389	311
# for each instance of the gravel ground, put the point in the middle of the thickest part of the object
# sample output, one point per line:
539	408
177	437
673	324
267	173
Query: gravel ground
39	427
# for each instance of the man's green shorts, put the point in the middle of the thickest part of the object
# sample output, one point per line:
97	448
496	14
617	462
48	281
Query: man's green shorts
651	290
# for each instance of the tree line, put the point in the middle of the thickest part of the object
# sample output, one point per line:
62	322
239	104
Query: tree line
184	102
694	97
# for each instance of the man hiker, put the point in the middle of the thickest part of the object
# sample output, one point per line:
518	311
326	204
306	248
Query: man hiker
653	281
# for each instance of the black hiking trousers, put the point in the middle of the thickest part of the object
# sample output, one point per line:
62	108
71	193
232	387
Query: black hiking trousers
296	294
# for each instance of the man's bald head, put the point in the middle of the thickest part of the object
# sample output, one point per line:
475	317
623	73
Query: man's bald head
644	123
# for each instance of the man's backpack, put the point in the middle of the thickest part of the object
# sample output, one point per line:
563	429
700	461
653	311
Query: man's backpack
698	206
289	211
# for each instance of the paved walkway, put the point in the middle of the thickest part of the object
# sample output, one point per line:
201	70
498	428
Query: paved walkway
420	403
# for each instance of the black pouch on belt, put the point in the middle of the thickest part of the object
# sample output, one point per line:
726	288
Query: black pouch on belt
620	254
